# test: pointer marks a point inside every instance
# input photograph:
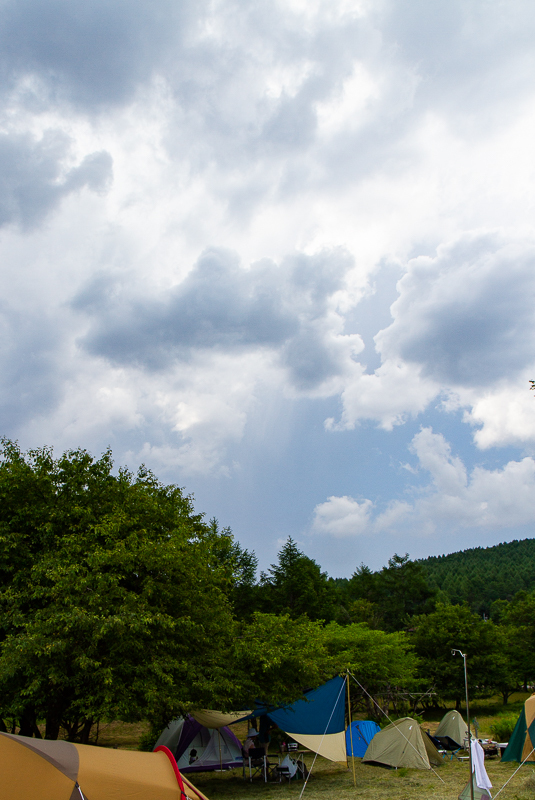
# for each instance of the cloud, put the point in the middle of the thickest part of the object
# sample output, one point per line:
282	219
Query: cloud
342	517
87	53
453	499
466	316
463	330
288	308
33	178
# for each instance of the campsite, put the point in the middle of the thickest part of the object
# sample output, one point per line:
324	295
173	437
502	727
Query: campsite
331	780
154	622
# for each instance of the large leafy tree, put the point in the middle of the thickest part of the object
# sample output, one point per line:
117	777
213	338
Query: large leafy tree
281	657
383	664
517	623
113	600
457	627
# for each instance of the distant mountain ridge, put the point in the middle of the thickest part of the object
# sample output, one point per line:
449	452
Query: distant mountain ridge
482	575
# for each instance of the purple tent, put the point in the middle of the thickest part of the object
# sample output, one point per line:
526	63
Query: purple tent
200	749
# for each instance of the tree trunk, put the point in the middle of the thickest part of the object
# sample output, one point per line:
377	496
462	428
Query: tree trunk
52	727
86	731
27	722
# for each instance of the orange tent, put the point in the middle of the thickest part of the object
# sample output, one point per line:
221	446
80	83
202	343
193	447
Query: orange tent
41	769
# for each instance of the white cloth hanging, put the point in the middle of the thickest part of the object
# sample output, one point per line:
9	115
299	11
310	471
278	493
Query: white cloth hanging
478	766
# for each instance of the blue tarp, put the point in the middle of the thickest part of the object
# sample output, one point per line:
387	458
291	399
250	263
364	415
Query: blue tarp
362	732
315	715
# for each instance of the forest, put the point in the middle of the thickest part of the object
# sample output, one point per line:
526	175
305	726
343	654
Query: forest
118	601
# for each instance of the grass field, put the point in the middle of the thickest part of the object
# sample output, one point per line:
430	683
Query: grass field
372	783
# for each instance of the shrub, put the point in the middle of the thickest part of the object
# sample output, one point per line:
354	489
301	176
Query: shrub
502	728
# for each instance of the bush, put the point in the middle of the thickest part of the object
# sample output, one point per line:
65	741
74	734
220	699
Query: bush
148	740
502	728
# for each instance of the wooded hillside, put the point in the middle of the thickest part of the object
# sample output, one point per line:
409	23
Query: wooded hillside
482	575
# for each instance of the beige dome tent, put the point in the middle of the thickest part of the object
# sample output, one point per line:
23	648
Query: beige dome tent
402	744
41	769
453	725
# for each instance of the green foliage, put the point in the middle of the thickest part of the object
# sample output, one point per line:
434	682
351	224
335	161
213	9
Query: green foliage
112	597
480	576
389	598
296	586
280	657
502	728
457	627
517	619
384	663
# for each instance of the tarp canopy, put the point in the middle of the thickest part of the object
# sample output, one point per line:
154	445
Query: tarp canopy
216	719
522	740
402	744
317	723
200	749
360	735
41	770
453	725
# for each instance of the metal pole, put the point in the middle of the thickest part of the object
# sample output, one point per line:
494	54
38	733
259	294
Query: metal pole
350	733
467	721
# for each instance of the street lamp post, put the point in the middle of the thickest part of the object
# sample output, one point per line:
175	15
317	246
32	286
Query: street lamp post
468	721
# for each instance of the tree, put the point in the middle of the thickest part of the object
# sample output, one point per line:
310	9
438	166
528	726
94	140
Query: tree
281	657
457	627
240	566
296	586
396	593
384	663
517	620
113	602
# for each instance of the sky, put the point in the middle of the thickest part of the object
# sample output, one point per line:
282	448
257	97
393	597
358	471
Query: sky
283	254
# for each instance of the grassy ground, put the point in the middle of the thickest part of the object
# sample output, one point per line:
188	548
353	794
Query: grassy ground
372	783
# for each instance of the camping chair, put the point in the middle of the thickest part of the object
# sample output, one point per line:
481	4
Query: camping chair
446	745
259	763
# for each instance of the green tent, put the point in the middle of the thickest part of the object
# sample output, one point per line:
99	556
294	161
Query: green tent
454	726
402	744
522	741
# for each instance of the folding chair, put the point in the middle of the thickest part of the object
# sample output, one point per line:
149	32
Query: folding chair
259	763
446	743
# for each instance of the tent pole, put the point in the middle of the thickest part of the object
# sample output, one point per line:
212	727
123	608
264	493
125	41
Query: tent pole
219	743
467	721
350	733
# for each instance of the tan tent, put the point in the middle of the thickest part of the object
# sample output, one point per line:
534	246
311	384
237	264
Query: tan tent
453	725
402	744
521	745
41	770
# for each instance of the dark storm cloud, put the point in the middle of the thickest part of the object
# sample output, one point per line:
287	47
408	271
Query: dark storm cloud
467	315
220	305
31	179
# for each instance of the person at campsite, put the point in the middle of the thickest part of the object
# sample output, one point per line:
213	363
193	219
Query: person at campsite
251	741
264	728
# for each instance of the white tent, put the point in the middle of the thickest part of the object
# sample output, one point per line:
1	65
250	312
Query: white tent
198	749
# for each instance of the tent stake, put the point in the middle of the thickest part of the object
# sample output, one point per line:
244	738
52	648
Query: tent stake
350	733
